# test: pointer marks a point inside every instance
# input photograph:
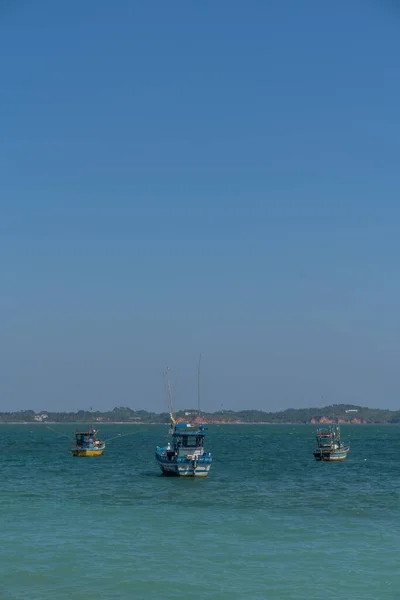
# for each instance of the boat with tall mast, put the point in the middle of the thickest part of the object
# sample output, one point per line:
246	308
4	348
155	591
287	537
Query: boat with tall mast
184	455
330	446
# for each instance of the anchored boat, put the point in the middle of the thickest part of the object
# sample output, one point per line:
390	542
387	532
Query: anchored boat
330	446
87	444
184	455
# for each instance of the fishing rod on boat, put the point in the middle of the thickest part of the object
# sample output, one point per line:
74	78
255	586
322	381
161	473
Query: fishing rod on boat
171	402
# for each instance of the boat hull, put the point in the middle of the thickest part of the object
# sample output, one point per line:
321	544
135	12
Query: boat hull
87	452
330	456
184	467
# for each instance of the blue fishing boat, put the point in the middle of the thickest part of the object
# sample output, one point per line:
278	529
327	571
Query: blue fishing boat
330	446
184	455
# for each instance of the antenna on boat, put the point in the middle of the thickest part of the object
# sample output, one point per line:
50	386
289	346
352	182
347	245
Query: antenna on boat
198	386
168	388
174	387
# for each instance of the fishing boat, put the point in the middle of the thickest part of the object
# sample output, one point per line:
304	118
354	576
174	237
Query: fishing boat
330	446
87	444
184	455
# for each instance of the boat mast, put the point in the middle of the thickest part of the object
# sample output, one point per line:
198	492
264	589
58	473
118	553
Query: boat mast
169	395
198	387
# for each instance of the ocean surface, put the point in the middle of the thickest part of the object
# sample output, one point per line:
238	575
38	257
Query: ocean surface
268	523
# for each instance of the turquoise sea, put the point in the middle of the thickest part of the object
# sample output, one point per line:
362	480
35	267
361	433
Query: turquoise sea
268	523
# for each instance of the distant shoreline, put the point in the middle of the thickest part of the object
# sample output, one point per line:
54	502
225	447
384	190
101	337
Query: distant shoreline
341	414
104	423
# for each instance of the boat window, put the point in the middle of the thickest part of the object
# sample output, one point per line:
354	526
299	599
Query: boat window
192	441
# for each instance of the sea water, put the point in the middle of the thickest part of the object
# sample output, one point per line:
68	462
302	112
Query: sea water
268	523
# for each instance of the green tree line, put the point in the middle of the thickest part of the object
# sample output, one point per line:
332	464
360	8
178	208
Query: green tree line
127	415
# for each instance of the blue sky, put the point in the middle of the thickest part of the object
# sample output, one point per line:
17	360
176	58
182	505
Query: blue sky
215	177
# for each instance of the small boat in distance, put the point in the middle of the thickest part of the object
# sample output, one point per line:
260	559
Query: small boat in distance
184	455
87	444
330	446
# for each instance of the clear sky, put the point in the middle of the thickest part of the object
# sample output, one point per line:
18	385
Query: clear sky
183	177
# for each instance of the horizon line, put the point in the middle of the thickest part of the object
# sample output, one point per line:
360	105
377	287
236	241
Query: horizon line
347	407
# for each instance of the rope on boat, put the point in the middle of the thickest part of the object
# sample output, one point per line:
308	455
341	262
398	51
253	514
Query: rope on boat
63	435
121	436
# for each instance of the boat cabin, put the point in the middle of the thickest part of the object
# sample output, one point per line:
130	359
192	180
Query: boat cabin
85	439
329	438
187	439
